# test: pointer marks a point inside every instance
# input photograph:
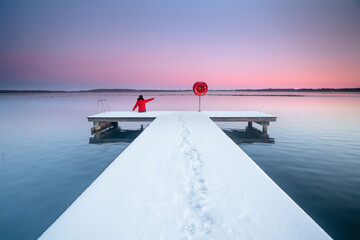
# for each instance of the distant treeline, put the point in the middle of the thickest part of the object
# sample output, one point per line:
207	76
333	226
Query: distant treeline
188	90
300	90
89	91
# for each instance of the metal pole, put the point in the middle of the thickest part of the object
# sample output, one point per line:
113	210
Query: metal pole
199	103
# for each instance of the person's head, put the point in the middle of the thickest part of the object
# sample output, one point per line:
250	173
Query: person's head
140	97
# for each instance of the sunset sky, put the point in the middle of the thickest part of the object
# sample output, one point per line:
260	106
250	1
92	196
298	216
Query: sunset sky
72	45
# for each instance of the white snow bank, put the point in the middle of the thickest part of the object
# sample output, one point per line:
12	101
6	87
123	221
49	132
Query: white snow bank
183	178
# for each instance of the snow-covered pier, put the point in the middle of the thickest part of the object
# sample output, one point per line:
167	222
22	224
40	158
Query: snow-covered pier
107	119
183	178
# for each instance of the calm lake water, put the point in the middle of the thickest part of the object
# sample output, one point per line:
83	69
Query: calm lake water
47	158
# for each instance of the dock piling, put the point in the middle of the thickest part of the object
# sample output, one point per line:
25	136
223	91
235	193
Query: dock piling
265	128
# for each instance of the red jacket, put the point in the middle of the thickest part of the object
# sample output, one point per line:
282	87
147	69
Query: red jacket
141	104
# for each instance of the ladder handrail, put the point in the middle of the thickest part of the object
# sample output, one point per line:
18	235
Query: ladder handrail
104	106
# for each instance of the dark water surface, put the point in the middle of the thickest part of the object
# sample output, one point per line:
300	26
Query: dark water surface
46	160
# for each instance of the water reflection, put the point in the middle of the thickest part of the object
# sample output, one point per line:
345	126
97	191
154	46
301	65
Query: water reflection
248	135
115	134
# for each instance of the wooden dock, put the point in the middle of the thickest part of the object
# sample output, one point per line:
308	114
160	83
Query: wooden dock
183	178
107	119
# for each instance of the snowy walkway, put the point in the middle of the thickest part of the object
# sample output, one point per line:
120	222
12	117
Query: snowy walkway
151	115
183	178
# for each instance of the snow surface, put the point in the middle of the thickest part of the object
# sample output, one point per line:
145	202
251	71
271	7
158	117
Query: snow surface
124	114
183	178
236	114
113	114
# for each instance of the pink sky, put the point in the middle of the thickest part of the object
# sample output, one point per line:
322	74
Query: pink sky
230	45
180	69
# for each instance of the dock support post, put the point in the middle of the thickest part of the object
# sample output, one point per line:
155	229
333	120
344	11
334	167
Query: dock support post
97	135
265	128
97	126
250	124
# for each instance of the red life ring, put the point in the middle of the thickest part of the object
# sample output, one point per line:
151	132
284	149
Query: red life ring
200	88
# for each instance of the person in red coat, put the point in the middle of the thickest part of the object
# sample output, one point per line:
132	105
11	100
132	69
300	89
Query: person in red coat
141	103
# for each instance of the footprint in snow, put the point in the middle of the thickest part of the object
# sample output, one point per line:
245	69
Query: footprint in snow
191	229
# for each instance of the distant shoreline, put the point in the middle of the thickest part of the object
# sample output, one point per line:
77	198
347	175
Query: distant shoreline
189	90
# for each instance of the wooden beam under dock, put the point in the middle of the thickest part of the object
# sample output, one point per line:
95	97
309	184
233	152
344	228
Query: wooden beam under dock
217	116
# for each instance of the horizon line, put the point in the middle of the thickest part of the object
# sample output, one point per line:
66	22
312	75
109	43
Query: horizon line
183	90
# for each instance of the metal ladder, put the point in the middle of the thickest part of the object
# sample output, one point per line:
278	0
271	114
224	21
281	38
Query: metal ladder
104	106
